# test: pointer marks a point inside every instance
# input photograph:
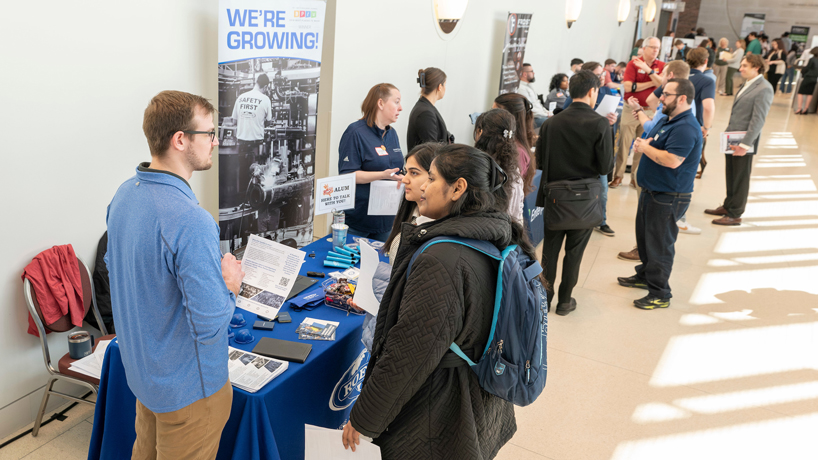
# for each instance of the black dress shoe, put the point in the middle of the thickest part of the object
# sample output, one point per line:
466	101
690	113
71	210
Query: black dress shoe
565	308
632	282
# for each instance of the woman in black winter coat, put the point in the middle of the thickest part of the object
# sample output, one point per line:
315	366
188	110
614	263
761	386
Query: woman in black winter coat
418	400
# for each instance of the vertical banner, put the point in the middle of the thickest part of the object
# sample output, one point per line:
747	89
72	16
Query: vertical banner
269	72
799	35
752	22
514	51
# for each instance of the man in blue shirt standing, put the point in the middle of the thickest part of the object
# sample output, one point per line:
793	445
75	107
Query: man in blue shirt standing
171	291
666	174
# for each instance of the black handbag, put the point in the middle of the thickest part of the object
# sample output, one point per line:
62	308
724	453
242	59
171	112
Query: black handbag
572	204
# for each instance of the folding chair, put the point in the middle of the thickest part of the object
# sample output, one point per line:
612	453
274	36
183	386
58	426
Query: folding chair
62	372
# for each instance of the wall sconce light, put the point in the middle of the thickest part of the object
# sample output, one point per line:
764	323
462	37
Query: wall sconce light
624	11
448	13
650	11
572	9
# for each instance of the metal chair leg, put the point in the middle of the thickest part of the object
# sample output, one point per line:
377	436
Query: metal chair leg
40	414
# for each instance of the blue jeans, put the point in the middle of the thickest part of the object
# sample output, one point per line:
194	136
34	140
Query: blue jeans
372	236
538	121
656	233
604	180
788	80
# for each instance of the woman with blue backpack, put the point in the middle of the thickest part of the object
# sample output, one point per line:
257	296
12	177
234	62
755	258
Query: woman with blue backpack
419	399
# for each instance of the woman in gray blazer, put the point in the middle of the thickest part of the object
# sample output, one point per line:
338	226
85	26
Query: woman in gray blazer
750	108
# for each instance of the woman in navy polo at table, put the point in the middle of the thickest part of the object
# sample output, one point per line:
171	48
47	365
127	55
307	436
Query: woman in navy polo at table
370	148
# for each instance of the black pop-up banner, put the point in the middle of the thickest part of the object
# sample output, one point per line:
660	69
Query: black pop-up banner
514	51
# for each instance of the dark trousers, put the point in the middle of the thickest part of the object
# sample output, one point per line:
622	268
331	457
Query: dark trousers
656	233
248	150
737	174
575	242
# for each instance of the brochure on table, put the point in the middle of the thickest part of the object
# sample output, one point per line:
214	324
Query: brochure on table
270	270
250	371
335	193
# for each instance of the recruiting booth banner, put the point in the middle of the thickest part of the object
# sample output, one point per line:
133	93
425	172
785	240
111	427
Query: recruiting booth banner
514	51
799	35
752	22
334	193
269	73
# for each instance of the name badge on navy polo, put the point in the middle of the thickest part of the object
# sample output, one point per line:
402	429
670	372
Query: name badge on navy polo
657	134
381	151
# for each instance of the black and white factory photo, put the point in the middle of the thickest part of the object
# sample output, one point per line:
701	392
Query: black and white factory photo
267	136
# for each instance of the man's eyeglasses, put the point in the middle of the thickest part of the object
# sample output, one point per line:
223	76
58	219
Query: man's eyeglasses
669	94
212	133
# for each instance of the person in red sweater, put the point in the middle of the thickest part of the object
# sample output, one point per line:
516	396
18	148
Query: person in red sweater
642	76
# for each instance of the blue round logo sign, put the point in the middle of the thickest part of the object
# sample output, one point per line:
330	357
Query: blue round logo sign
348	388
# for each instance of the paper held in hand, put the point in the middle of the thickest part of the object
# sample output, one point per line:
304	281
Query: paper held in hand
608	105
326	444
270	270
384	198
730	140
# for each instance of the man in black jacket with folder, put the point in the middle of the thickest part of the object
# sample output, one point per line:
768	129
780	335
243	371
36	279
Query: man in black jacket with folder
574	144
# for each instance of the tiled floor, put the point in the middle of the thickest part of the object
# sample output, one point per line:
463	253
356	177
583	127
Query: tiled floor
728	371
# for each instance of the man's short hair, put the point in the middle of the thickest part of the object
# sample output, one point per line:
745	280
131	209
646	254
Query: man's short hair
590	65
622	64
576	61
525	64
678	68
648	39
785	34
263	80
582	82
684	88
756	61
752	34
609	62
168	113
697	57
678	42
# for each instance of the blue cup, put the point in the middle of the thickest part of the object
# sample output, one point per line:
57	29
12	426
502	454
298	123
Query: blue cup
237	320
244	337
339	235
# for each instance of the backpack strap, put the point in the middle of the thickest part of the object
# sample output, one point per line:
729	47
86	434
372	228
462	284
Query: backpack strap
480	246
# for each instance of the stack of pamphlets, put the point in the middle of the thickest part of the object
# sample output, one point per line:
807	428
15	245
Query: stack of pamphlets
91	364
250	371
316	329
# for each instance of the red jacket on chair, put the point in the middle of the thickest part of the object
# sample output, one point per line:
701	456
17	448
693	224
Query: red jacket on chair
54	275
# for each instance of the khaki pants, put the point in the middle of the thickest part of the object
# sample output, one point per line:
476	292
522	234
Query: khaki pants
192	432
629	129
721	77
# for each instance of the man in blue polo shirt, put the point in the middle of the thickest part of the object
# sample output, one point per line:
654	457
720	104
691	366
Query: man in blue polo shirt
172	293
666	174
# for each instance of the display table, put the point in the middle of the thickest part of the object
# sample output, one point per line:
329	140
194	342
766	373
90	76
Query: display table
533	215
268	424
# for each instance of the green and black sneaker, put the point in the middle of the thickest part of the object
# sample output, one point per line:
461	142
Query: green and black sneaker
651	302
632	281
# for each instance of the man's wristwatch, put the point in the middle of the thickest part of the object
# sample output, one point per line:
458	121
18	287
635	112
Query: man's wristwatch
652	72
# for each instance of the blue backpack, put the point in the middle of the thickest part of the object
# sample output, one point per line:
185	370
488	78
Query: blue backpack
513	365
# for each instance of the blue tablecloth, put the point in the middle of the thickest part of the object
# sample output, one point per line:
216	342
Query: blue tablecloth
533	214
268	424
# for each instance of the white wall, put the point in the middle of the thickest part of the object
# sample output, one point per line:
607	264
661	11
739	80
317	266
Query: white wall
392	50
716	17
77	77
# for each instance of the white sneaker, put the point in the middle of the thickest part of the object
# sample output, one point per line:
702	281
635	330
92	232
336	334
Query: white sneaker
684	227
